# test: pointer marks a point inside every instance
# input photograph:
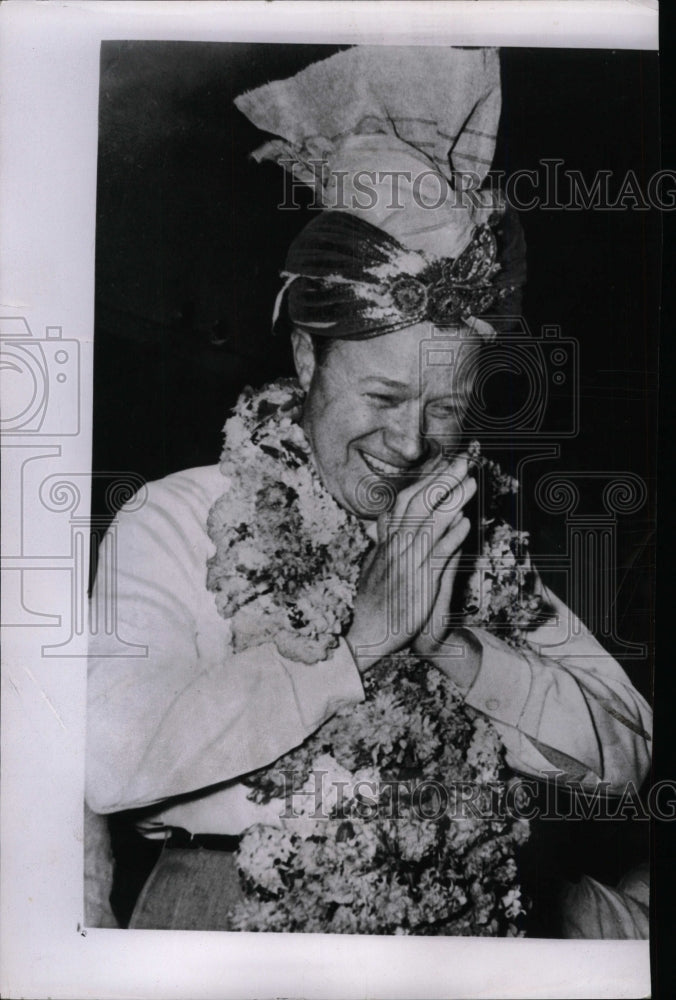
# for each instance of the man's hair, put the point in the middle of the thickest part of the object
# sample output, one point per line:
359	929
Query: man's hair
322	348
283	327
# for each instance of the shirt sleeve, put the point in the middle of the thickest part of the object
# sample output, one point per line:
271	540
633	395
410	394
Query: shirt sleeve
188	713
562	704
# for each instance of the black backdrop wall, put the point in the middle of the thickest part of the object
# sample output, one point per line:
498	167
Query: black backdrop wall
190	243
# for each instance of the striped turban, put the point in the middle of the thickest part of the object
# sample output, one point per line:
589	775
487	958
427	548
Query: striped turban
396	143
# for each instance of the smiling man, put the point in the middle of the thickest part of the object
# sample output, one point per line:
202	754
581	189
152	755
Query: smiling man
174	732
371	409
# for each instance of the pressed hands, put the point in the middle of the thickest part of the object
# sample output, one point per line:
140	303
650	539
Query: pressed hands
407	579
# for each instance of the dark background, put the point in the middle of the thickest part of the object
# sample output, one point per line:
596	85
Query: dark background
190	243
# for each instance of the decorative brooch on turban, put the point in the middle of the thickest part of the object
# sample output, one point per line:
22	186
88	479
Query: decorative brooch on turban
348	279
438	249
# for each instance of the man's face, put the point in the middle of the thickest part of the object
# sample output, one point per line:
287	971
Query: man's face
380	411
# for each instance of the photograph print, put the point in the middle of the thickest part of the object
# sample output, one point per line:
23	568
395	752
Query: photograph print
375	376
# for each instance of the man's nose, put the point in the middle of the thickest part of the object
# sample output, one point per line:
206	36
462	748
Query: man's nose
405	436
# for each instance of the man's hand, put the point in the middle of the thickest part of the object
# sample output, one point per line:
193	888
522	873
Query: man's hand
456	653
412	568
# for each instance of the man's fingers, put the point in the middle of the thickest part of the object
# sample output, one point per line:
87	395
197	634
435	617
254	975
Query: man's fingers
425	524
426	553
446	583
442	495
428	490
411	578
446	544
434	515
436	625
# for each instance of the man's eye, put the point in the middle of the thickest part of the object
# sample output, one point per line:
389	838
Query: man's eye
381	399
445	412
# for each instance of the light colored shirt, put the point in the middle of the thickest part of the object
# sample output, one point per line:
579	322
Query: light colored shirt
179	725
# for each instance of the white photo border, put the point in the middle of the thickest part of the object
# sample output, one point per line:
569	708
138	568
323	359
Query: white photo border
49	66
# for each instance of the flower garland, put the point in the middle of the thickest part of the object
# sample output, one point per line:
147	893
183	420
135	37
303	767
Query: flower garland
409	856
502	594
287	557
393	820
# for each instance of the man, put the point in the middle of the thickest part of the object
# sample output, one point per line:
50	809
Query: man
171	733
152	720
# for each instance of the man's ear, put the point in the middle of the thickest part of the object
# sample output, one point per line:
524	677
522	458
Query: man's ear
304	357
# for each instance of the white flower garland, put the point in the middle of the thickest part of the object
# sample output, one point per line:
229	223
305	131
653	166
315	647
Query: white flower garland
287	557
286	570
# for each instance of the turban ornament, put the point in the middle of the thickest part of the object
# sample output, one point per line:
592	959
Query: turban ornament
429	245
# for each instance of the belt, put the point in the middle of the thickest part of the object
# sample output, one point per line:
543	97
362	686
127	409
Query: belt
209	841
